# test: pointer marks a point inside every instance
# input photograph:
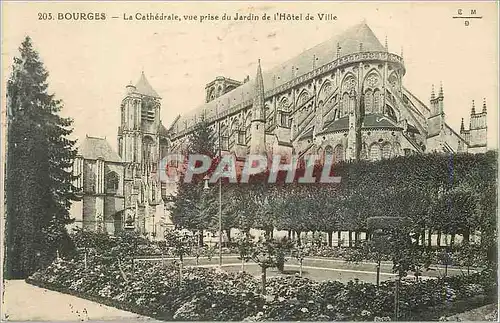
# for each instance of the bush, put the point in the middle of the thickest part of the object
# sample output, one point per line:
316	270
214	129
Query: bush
208	294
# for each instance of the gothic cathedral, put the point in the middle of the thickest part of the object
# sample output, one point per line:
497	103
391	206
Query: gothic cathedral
344	97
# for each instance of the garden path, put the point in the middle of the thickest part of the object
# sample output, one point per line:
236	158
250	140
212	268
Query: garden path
25	302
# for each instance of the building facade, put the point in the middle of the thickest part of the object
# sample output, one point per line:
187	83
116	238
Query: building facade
121	190
344	97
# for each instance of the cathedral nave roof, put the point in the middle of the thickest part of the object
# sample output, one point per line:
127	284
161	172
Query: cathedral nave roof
350	41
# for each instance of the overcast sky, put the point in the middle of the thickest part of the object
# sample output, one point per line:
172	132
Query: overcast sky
91	62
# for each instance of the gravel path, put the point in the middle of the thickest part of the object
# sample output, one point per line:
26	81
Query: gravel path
25	302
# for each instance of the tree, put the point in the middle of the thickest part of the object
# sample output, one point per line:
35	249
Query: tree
376	248
180	244
246	245
300	252
193	208
264	254
39	179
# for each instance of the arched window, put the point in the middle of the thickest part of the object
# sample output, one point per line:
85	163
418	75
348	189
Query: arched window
328	153
325	91
120	147
368	101
375	152
338	154
345	104
211	94
241	134
247	128
235	127
303	97
386	151
143	193
147	149
376	102
224	137
319	153
284	113
153	191
112	182
163	148
396	149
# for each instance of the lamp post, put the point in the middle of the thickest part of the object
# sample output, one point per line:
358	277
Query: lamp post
220	216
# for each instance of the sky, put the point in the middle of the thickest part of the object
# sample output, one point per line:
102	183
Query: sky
91	62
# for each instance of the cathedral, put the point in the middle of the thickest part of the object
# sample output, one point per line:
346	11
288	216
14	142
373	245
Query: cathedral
343	97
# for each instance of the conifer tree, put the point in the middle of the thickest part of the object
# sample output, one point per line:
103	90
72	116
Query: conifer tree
193	208
39	180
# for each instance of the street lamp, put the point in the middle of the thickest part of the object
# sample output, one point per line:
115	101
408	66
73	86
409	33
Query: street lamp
206	178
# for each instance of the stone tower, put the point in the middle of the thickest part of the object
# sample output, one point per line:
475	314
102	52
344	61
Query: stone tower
478	130
258	136
139	147
436	117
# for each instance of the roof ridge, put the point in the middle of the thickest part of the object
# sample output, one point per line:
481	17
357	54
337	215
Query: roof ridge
94	148
294	67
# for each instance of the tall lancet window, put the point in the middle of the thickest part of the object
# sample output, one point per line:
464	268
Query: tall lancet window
112	182
284	113
224	137
328	153
377	107
386	151
235	134
247	128
120	147
368	101
345	104
338	154
148	145
375	152
241	134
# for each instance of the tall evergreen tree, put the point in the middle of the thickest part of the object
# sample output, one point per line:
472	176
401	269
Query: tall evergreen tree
39	180
193	208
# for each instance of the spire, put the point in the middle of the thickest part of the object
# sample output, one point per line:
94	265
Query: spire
433	96
386	45
361	46
258	99
473	110
484	105
462	127
258	137
441	93
143	87
259	81
401	52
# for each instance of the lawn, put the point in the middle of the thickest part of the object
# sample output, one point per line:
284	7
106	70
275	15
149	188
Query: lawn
319	269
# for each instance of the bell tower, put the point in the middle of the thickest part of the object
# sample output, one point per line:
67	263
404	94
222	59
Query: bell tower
138	146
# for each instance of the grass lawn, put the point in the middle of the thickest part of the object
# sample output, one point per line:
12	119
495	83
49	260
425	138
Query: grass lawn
319	269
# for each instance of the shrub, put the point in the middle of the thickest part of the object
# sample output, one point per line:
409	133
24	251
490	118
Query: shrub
208	294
